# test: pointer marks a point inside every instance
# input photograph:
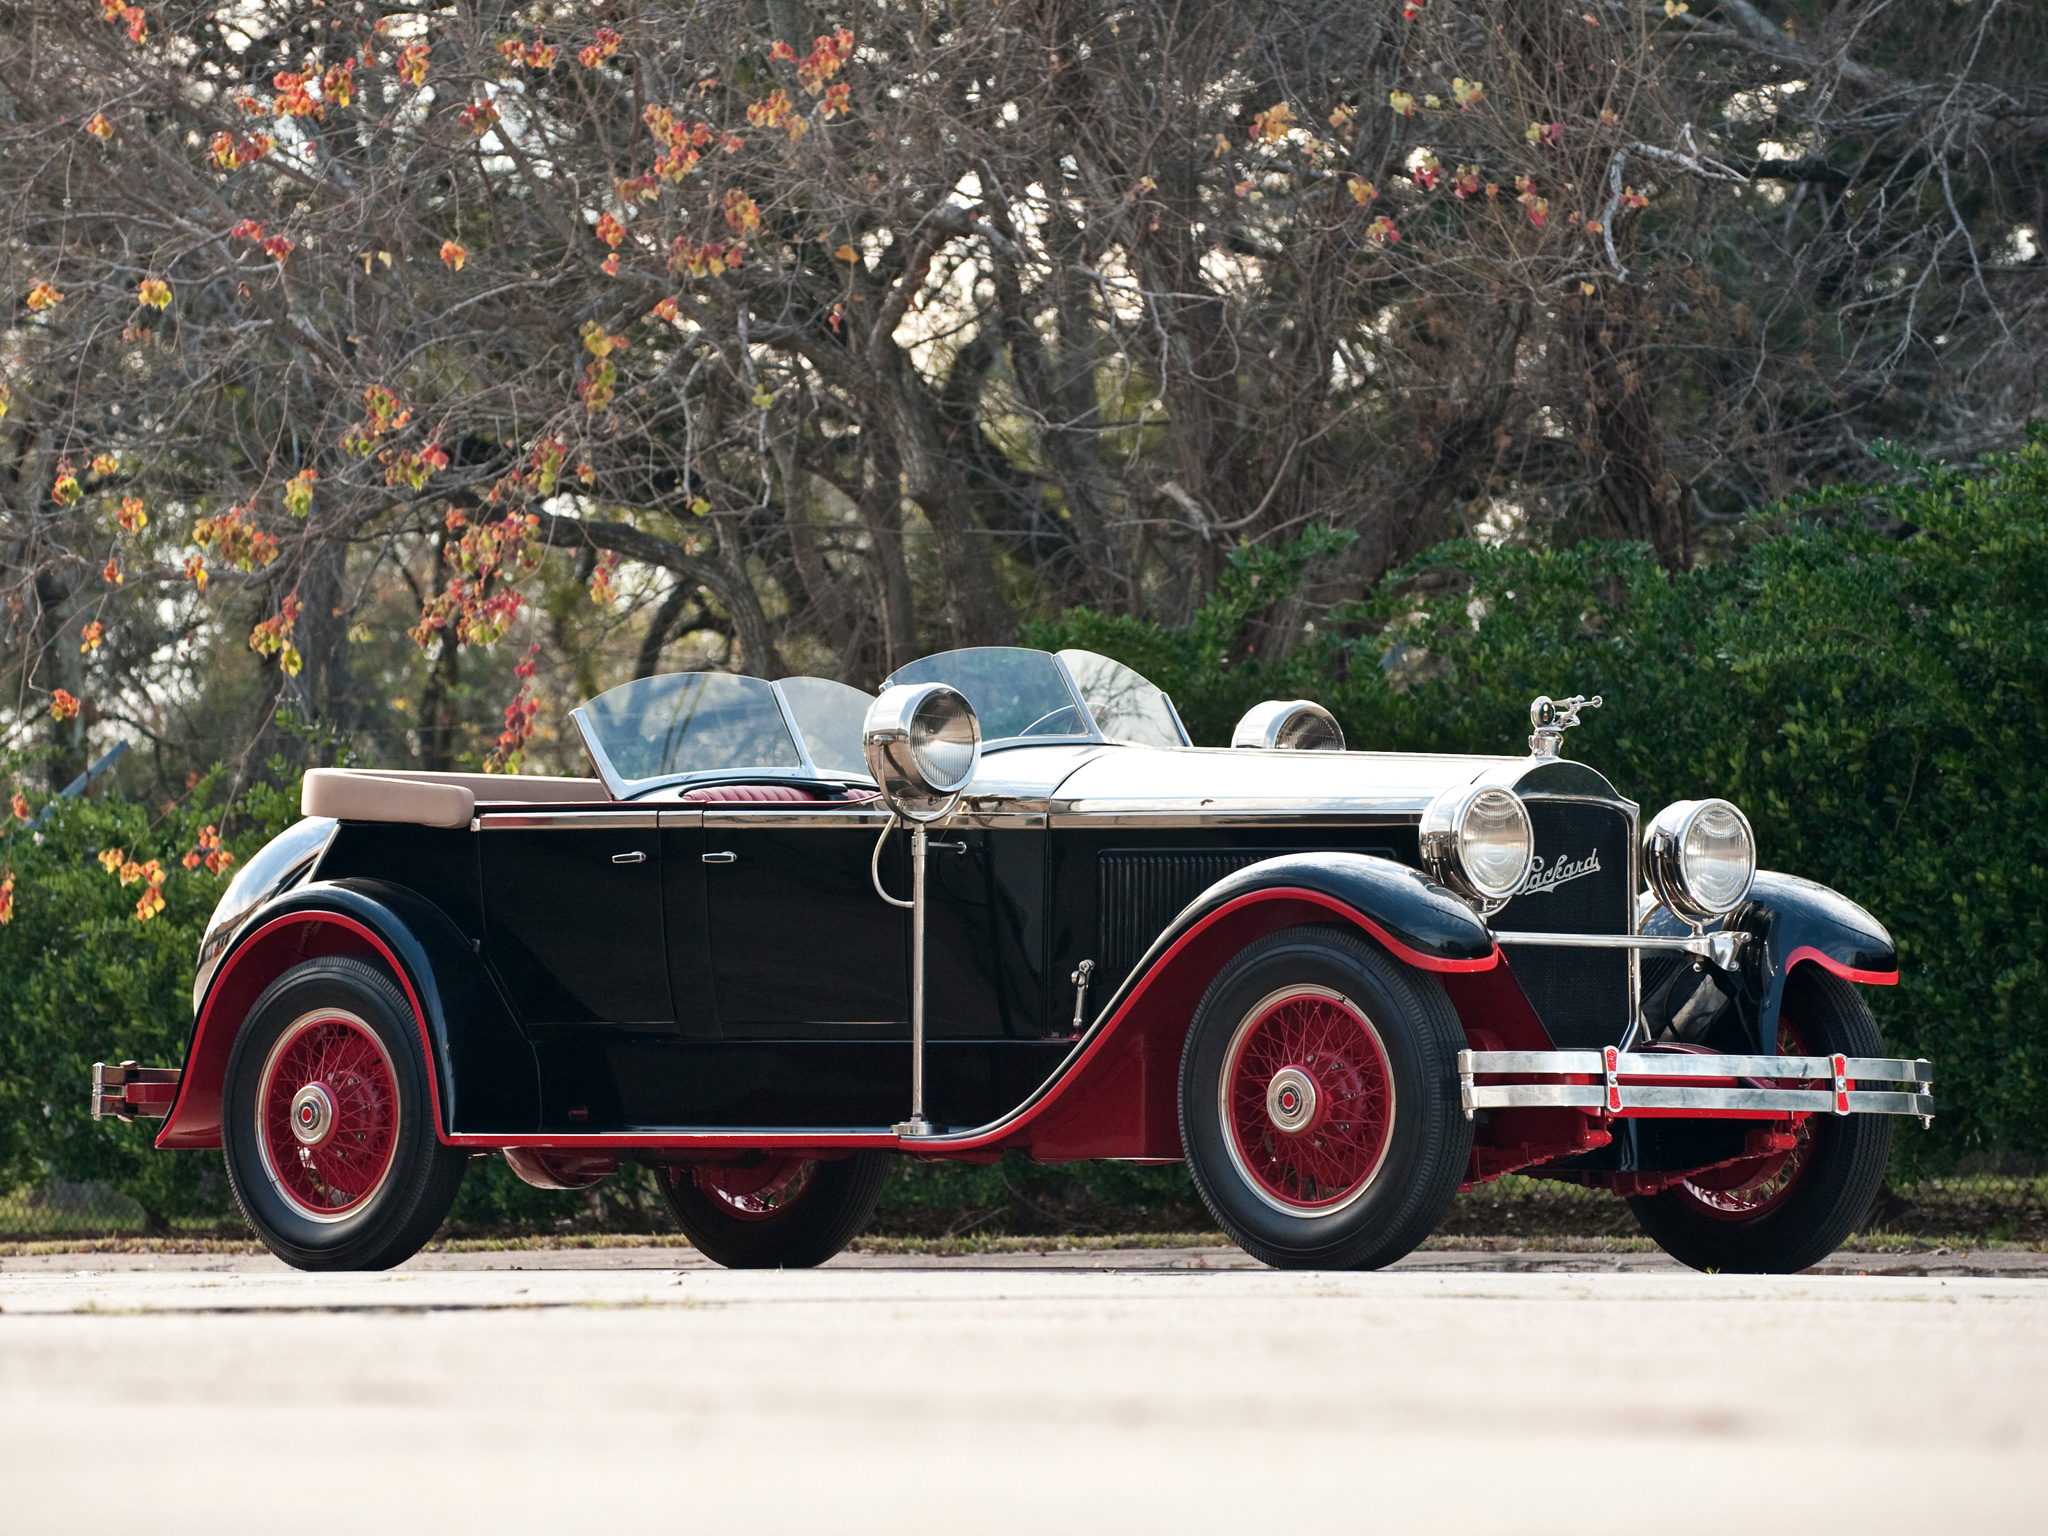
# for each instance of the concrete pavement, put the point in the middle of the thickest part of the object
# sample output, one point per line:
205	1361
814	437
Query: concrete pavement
1156	1390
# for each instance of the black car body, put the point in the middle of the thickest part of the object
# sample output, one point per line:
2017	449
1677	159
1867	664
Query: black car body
697	960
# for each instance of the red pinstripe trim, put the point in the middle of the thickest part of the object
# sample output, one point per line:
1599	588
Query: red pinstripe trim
1846	972
369	936
1165	962
619	1141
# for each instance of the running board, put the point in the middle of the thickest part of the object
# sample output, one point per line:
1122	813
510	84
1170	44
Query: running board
1621	1084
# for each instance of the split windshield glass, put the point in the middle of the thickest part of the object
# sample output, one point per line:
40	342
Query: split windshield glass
661	728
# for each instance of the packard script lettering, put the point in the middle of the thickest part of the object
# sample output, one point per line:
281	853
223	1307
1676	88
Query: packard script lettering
1544	877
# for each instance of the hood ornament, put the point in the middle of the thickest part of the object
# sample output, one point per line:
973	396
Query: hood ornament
1552	718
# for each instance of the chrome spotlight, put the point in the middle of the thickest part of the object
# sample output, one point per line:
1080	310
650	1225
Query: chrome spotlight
1478	841
1700	857
1289	725
923	743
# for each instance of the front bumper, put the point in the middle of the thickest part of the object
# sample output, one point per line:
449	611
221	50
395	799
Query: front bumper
131	1091
1621	1084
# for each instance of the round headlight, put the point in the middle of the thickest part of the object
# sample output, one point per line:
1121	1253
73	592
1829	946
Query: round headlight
1479	843
1700	857
922	743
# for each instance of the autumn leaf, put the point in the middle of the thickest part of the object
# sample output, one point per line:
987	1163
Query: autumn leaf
610	230
1362	191
279	246
248	229
89	637
65	490
1468	93
1401	102
42	297
63	706
195	572
478	116
601	578
666	310
1381	231
412	64
20	806
7	897
111	571
1544	133
298	492
453	255
1341	118
606	45
98	126
104	464
1675	8
154	292
1273	123
741	212
846	253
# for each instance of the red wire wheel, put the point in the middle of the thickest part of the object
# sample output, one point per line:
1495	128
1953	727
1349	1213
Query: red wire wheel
1307	1100
756	1193
327	1115
1746	1190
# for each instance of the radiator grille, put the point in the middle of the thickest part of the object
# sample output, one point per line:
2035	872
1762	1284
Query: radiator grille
1581	995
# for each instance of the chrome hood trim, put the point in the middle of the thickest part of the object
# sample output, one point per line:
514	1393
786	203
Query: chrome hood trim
1227	783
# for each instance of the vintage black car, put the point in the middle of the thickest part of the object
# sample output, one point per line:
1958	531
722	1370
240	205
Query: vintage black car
790	931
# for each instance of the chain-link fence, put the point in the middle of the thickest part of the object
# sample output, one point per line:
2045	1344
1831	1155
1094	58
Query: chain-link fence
1997	1200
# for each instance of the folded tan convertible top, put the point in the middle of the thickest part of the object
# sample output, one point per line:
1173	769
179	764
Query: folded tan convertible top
431	799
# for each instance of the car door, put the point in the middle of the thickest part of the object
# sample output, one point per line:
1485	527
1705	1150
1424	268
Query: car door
800	946
573	926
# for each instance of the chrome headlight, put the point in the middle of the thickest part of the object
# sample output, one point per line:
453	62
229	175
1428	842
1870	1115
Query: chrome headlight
922	743
1479	843
1700	857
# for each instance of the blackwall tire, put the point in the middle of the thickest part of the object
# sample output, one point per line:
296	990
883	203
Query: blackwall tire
773	1211
1793	1215
332	1048
1319	1102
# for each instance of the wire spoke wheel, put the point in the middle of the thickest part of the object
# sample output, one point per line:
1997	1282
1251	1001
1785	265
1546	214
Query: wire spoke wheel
756	1193
1308	1097
1745	1190
327	1110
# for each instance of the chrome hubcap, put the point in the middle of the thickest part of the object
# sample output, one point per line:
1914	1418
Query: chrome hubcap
312	1115
1291	1100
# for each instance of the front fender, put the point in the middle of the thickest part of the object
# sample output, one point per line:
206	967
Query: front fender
483	1071
1793	922
1116	1095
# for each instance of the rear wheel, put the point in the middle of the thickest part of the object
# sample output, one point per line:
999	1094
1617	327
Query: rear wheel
774	1210
1318	1102
1778	1214
327	1123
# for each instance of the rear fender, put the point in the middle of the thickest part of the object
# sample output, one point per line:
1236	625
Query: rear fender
482	1071
1119	1095
1792	922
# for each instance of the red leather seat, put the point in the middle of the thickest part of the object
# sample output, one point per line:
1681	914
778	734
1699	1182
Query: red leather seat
773	794
752	794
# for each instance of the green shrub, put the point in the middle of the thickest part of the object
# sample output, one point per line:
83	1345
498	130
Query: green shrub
1866	678
84	979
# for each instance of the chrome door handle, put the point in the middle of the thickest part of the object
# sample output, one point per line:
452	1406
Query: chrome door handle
721	858
629	858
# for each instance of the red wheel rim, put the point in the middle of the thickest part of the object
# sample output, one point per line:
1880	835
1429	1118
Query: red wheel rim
1746	1190
1307	1100
327	1115
755	1192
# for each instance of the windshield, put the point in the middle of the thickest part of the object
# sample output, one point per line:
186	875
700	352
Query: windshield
1014	692
1125	705
659	728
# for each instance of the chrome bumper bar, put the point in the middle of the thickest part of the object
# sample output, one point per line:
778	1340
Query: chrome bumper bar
132	1091
1609	1088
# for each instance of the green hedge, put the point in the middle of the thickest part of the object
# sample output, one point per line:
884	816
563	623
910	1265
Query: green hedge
1866	678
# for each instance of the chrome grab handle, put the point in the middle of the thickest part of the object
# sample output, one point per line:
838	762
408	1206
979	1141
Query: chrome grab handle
629	858
721	858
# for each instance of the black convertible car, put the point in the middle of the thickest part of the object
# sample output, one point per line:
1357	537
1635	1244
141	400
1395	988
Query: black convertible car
790	931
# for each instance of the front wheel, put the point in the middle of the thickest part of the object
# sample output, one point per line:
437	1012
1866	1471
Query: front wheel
1319	1102
774	1210
327	1122
1779	1214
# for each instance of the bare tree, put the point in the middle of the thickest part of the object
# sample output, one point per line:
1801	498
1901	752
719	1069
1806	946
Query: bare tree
807	337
